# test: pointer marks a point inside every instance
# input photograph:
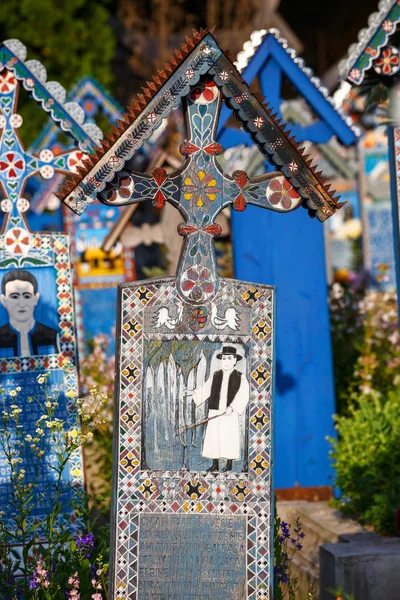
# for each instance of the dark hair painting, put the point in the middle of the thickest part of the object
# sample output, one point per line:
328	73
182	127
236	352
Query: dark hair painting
19	275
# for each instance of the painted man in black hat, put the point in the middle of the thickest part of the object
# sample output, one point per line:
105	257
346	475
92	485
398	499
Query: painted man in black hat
227	394
23	335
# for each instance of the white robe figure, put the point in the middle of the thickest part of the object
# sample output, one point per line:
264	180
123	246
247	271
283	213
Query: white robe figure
222	437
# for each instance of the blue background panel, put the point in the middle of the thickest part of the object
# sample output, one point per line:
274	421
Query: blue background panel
99	309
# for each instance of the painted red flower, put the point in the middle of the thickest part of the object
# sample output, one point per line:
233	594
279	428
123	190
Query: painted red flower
196	283
388	63
281	192
204	93
11	163
75	160
17	240
8	82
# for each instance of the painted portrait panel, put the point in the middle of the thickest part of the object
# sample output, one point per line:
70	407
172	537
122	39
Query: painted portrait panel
196	396
28	312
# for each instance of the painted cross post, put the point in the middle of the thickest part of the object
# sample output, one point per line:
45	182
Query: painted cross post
94	269
193	508
376	59
304	378
37	330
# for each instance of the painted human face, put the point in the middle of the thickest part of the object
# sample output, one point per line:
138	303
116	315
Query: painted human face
20	300
228	361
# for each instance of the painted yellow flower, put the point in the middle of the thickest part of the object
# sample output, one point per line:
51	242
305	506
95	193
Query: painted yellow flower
200	187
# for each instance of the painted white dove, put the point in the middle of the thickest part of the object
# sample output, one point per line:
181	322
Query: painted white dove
229	319
163	318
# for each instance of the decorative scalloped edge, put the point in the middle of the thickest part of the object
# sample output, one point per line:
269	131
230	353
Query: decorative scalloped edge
365	35
86	85
37	72
255	41
110	157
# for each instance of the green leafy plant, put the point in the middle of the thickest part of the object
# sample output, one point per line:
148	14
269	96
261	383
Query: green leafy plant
365	341
347	334
97	372
366	457
61	36
40	558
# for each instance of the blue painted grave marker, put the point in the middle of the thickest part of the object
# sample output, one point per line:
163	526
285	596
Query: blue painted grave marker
37	327
305	394
376	56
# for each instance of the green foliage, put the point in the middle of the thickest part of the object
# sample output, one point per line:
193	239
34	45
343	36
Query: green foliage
71	39
365	341
97	371
347	333
50	564
367	459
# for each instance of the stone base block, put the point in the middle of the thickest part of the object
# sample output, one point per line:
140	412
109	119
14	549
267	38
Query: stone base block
364	565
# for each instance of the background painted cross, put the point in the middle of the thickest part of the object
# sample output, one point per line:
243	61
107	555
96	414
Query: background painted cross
200	190
304	390
95	101
18	165
40	262
375	61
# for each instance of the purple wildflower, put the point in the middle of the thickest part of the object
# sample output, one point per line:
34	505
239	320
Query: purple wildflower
85	540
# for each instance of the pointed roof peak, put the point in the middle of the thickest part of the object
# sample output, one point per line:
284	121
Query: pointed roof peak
250	49
199	56
382	24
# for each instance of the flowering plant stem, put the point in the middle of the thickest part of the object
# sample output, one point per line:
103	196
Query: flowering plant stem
41	559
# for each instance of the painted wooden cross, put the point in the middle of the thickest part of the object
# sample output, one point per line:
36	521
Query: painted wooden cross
37	322
17	165
376	58
200	190
196	352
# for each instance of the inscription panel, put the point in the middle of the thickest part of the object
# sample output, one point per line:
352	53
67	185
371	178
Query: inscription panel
41	474
192	556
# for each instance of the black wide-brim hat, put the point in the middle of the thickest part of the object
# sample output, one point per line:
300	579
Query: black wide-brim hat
229	351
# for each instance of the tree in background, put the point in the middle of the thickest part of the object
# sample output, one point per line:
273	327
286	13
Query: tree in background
71	39
154	28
